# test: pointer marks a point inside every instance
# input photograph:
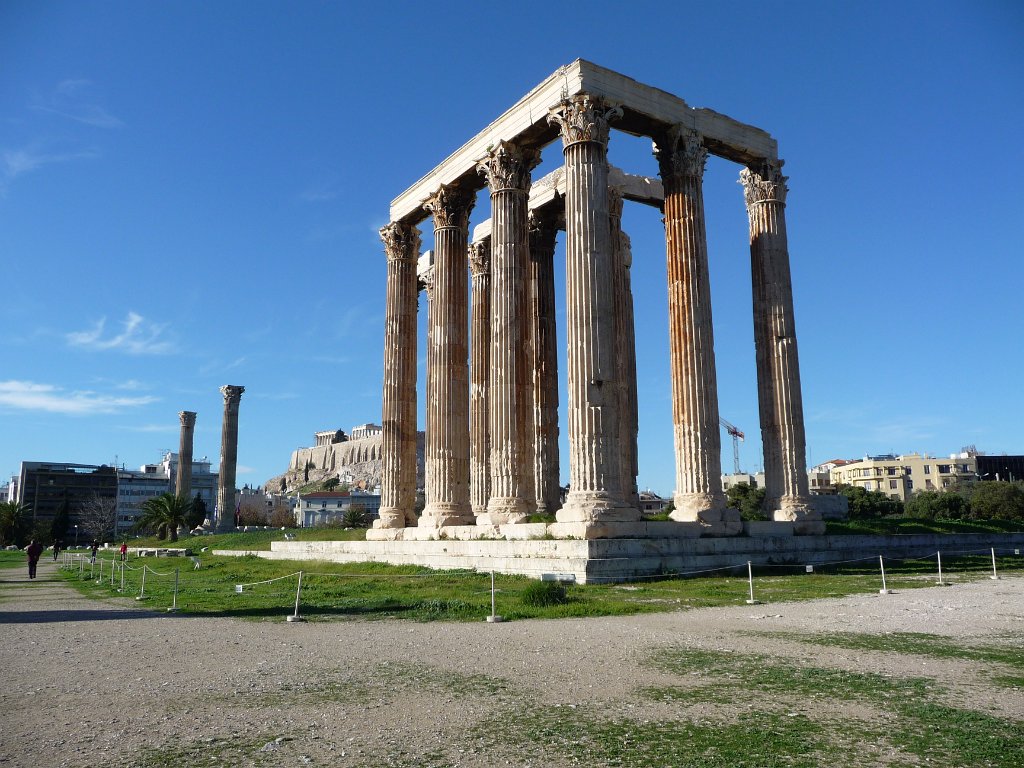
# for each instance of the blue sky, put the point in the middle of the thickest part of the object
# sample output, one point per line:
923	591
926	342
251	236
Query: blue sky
190	195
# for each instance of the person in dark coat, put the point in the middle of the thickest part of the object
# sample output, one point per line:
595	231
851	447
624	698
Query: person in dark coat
33	550
56	549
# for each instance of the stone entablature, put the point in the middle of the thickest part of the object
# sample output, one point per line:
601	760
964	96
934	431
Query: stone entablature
582	104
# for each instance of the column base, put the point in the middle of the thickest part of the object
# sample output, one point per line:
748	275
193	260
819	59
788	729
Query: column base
502	510
591	506
714	520
438	515
694	506
389	518
805	518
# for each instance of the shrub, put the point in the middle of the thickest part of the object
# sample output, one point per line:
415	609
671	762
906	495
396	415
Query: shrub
541	594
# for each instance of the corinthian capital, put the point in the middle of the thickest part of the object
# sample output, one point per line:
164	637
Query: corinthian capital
188	418
681	152
401	242
480	257
508	166
583	118
764	183
232	394
426	282
450	206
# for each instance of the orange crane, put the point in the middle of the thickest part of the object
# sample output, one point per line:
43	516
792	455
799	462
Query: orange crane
737	438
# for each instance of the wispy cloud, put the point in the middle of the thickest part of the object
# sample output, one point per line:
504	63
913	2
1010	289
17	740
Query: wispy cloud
241	469
138	337
131	385
18	162
31	396
173	428
72	99
219	367
320	192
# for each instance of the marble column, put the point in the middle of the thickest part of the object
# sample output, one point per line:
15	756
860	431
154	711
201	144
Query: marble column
625	350
183	480
447	446
507	170
398	419
543	367
595	493
228	458
778	367
698	443
479	377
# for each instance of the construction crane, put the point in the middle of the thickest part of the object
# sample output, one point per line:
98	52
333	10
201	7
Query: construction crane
737	438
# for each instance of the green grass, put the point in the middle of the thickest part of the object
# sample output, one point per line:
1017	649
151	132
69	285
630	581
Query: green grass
732	710
373	591
895	525
254	540
15	559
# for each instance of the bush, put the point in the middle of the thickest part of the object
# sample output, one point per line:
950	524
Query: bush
748	500
541	594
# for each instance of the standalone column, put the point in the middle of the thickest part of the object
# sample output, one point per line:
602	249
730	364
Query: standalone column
625	350
479	377
398	441
544	364
447	448
507	169
183	481
698	443
595	493
778	367
228	458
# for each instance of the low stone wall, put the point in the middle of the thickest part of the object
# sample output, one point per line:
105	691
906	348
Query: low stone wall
616	560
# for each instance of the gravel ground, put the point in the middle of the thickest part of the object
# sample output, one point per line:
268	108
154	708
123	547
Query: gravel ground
103	682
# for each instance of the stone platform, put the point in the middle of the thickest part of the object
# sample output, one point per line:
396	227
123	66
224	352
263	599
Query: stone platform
619	560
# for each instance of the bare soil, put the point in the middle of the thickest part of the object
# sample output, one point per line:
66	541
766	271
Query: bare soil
91	682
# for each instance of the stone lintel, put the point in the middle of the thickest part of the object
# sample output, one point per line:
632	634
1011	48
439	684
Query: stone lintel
646	111
549	190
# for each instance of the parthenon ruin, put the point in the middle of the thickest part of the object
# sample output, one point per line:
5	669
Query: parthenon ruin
491	450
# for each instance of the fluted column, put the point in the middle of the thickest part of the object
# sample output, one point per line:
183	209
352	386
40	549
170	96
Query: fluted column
507	170
778	367
479	377
543	366
447	446
595	492
625	350
183	479
398	419
698	443
228	457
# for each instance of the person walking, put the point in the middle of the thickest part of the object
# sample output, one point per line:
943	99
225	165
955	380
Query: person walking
124	551
56	549
94	547
33	550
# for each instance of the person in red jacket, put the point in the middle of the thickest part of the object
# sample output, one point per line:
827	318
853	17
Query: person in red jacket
33	550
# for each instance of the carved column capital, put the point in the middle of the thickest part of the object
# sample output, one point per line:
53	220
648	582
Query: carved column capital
232	394
681	152
584	118
508	166
543	223
450	206
401	241
188	418
480	257
764	183
426	282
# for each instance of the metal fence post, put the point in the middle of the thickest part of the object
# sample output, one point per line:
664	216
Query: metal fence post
750	580
883	590
174	599
994	576
298	595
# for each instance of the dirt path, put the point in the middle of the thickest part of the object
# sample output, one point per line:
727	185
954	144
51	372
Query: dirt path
104	682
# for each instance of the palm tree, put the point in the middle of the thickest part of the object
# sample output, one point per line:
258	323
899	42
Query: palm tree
164	514
13	517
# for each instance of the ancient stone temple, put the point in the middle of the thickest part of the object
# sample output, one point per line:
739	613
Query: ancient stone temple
491	446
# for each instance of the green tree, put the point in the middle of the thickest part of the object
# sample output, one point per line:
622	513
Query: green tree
164	514
331	483
937	505
869	504
354	517
748	500
995	500
59	525
13	521
198	512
